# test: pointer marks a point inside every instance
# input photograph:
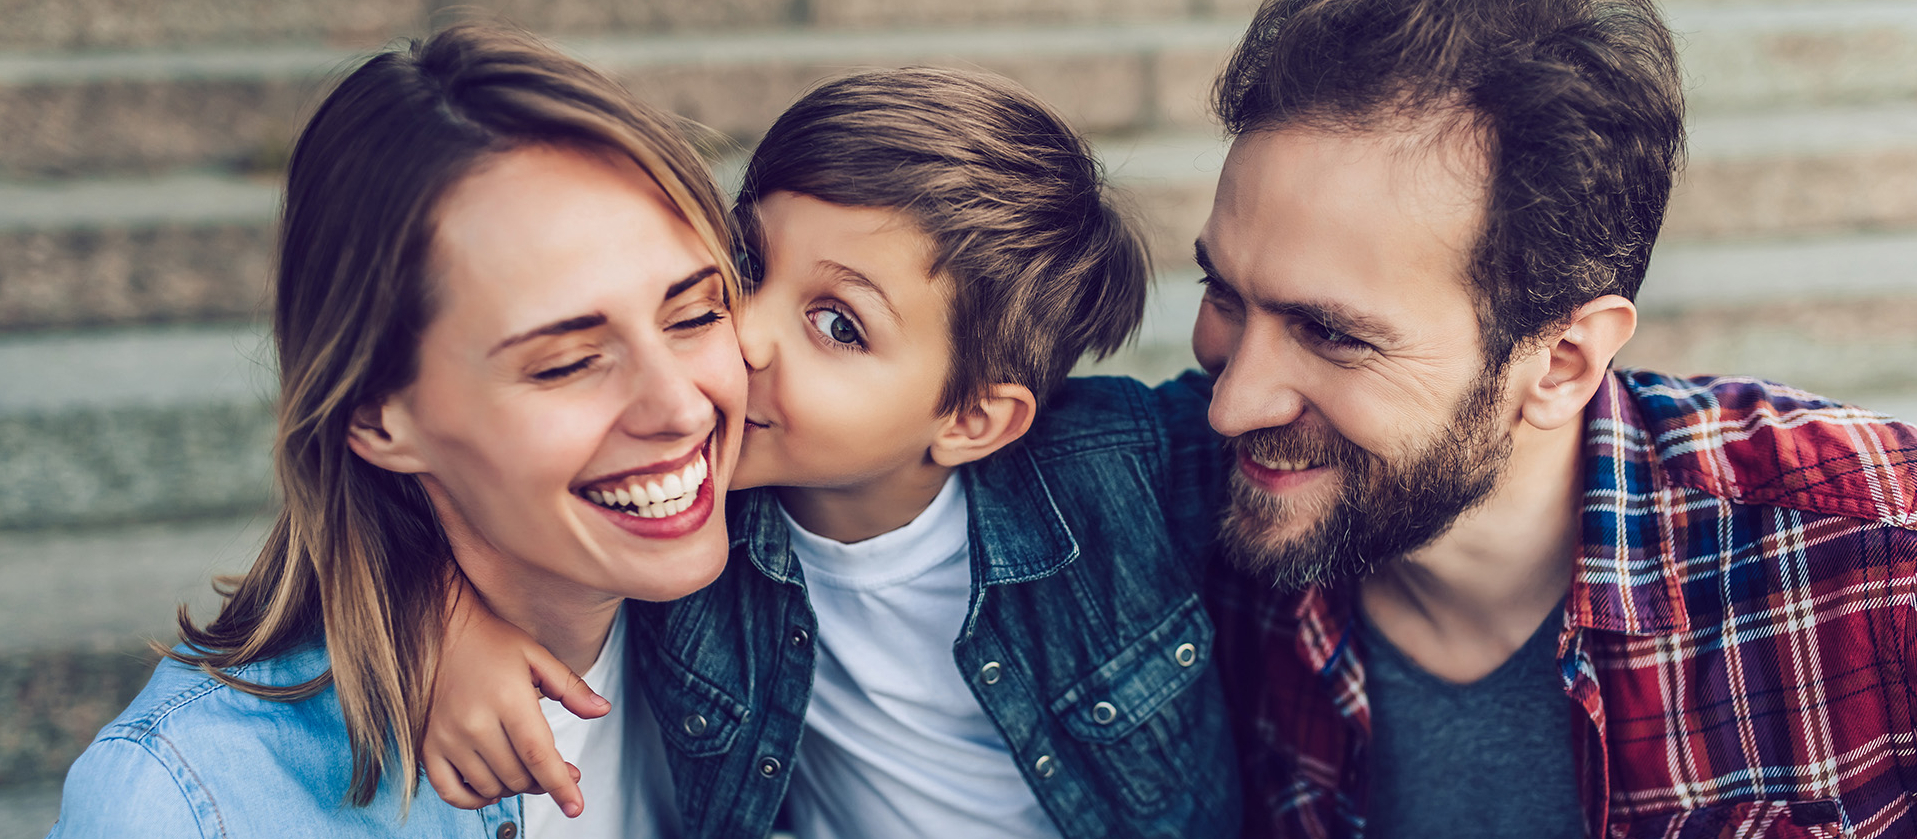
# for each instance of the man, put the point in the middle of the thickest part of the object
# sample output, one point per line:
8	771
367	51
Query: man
1482	584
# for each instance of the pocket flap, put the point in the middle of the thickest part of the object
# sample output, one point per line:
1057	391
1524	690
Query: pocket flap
1127	690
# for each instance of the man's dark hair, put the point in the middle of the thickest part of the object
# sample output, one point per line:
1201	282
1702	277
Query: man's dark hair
1042	266
1577	103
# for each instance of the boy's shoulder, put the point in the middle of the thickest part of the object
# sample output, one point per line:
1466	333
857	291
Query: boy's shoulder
1088	413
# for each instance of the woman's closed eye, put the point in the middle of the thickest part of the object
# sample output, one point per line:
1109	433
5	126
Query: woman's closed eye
838	328
565	371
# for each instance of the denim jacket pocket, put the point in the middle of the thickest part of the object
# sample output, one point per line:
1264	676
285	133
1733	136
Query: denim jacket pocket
1820	819
1129	715
696	717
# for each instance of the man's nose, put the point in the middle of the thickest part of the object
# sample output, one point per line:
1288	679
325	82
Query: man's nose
1257	388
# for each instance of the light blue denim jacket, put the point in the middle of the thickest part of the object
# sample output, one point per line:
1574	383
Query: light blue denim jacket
1085	640
194	758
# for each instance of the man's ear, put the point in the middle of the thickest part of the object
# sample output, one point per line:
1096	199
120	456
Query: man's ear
1565	372
1003	415
381	433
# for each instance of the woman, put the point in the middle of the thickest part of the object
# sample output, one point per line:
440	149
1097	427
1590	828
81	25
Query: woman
501	314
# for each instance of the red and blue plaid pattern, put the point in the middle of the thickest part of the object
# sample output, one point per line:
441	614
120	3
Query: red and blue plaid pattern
1741	631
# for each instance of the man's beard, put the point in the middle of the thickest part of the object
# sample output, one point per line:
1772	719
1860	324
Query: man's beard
1383	510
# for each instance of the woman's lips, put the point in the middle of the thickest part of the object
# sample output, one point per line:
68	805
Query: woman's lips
671	518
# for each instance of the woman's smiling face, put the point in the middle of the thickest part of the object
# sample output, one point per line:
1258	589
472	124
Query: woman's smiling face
576	413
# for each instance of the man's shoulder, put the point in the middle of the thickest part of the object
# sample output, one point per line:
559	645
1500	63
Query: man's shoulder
1089	413
1761	443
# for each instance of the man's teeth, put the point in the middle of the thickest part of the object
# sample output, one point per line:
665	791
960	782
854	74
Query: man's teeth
654	496
1284	465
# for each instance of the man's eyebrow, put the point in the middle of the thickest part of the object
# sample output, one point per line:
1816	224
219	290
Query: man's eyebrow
853	276
597	319
1332	315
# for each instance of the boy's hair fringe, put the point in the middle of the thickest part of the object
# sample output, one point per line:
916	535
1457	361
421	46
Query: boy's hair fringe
1043	268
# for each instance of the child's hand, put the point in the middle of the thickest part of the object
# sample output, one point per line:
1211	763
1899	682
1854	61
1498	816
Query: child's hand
486	737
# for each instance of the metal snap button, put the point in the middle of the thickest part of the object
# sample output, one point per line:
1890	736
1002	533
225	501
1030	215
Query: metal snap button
695	724
507	831
990	672
800	636
1046	766
768	766
1104	712
1186	654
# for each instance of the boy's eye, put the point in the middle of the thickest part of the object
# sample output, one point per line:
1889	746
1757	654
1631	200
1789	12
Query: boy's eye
838	327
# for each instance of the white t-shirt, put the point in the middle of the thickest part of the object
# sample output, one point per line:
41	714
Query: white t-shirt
895	744
621	760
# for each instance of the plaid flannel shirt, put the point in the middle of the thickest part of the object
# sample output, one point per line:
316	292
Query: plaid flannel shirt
1741	630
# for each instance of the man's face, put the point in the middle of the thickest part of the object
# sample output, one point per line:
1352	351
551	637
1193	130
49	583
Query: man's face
1338	323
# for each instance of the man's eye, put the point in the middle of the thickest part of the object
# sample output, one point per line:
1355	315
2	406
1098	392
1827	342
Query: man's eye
553	374
1330	340
836	326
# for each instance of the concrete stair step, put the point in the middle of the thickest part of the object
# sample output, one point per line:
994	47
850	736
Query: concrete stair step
136	425
121	24
128	426
198	247
153	110
74	633
1836	316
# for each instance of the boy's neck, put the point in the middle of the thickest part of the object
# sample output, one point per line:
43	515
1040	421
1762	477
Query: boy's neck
860	512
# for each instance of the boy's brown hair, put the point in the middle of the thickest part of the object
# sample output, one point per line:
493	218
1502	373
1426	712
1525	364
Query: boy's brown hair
1043	268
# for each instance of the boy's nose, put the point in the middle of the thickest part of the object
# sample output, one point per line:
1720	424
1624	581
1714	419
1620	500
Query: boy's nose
755	340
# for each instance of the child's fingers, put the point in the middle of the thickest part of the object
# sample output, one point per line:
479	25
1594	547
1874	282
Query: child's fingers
536	754
559	683
445	780
476	771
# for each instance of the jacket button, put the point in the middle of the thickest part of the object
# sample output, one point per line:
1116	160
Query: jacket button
769	766
1104	712
695	724
507	831
1046	766
800	636
1185	654
989	673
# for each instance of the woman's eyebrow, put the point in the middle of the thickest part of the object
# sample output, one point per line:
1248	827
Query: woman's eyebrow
596	319
682	286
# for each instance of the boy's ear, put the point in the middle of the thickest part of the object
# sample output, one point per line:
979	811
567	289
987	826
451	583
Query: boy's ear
381	433
1003	415
1563	374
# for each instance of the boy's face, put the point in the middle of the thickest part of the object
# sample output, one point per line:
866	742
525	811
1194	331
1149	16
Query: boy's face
847	346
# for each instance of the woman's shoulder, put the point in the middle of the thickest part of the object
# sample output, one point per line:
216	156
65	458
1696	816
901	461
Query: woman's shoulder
164	763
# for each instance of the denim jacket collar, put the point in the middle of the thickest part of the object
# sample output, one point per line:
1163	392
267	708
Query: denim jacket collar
1009	507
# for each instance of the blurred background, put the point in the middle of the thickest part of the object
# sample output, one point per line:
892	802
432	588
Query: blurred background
144	142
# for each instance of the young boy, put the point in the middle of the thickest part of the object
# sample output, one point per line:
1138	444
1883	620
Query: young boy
969	607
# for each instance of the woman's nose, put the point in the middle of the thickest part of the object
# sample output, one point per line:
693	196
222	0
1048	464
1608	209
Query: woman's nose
667	403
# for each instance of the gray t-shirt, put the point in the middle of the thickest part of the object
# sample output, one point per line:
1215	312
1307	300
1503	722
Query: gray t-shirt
1487	760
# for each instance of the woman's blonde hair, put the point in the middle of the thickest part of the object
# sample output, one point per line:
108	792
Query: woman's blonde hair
356	555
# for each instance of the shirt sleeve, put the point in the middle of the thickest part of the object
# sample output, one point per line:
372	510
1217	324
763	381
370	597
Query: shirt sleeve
120	788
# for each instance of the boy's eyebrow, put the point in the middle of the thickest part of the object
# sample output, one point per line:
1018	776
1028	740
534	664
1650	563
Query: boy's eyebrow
597	319
1331	314
853	276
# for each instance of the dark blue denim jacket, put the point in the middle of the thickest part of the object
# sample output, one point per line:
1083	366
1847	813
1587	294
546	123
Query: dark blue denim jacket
1085	640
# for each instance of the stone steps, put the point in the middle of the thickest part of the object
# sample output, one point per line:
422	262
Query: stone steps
193	247
237	106
132	425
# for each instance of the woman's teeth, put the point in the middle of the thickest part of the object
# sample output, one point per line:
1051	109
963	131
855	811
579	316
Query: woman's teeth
654	496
